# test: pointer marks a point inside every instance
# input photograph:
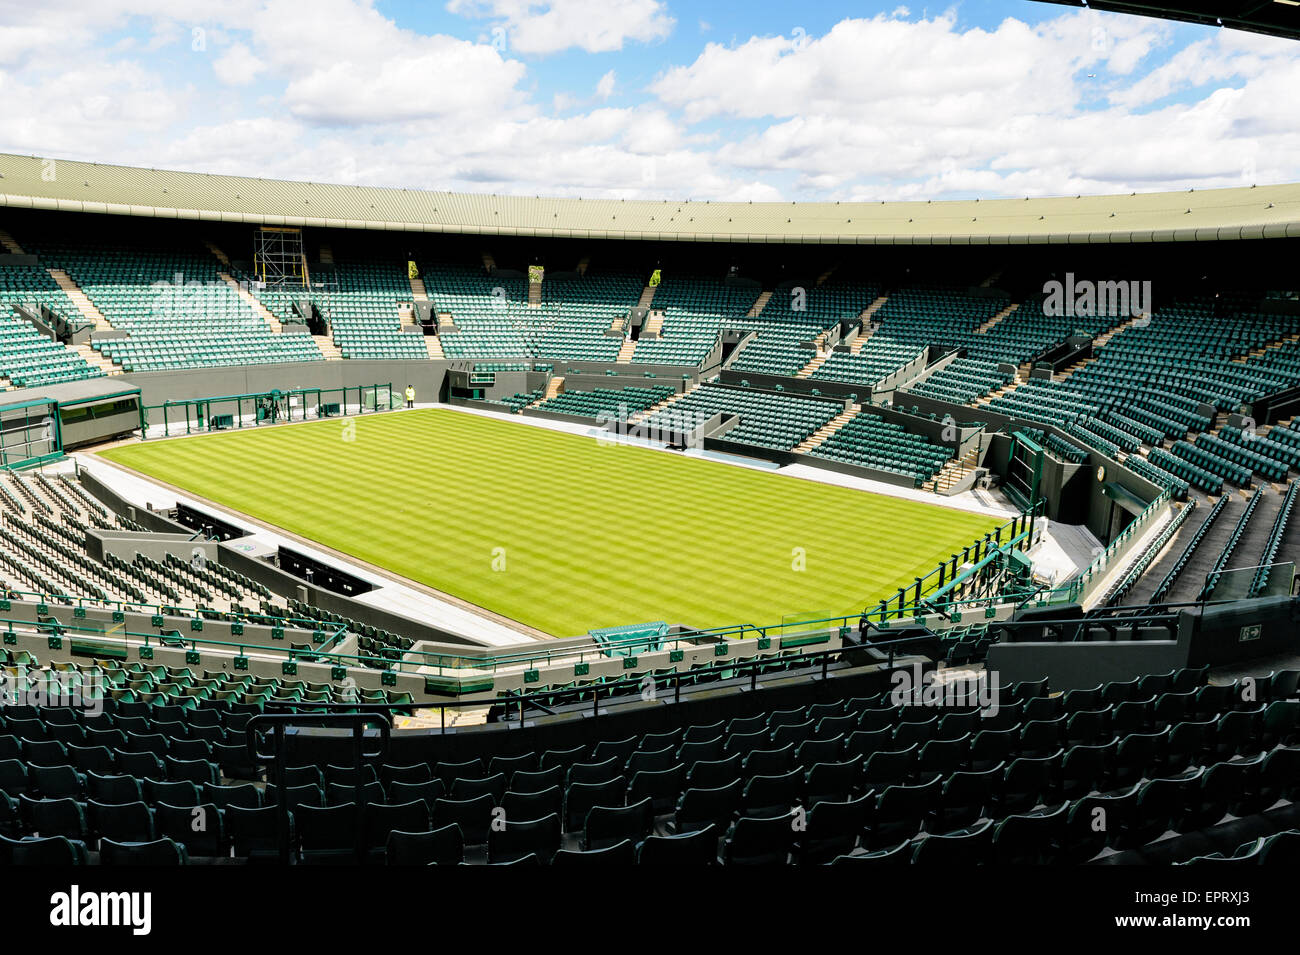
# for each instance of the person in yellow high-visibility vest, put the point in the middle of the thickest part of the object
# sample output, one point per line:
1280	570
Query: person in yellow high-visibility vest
410	396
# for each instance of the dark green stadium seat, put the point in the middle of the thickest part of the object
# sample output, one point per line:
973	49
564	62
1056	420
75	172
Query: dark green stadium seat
55	817
610	825
473	816
832	828
200	829
382	819
515	839
963	847
618	854
696	847
532	805
159	852
44	851
900	854
443	846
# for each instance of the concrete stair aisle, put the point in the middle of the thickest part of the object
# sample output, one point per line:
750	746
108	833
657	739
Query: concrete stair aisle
9	245
1159	568
418	292
1277	343
327	347
759	303
326	255
433	345
647	296
993	322
822	279
553	387
988	282
952	473
1192	578
1097	344
865	332
626	350
251	300
489	263
818	360
217	253
819	436
80	301
653	325
534	294
655	409
95	360
583	264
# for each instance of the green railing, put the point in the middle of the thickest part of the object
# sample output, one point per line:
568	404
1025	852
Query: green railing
1080	588
1016	534
166	610
412	661
222	412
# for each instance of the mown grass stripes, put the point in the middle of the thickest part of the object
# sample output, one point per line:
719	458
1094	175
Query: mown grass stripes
562	533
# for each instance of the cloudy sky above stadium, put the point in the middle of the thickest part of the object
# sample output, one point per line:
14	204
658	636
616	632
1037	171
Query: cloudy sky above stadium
654	98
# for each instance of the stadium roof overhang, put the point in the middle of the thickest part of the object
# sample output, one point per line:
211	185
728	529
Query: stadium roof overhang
1274	17
1218	214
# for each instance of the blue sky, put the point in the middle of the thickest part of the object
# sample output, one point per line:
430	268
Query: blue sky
654	98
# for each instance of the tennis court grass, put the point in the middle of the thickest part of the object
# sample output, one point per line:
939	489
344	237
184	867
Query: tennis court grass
561	532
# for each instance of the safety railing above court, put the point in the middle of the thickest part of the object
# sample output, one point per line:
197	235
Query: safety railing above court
657	685
225	412
46	599
1018	533
420	662
1081	587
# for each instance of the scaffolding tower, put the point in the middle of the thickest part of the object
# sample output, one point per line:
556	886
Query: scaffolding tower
280	258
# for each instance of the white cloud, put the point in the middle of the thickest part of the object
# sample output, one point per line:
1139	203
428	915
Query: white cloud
874	108
238	66
605	86
597	26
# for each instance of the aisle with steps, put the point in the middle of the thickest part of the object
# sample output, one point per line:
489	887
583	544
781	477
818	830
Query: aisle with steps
822	434
1265	349
79	299
1159	568
654	324
953	473
10	246
1097	344
997	319
809	369
251	300
1192	579
433	345
327	347
217	253
418	292
647	296
865	332
95	360
757	308
655	409
626	350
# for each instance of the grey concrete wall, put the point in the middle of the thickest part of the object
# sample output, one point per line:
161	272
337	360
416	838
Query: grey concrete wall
159	386
141	515
1085	664
284	583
